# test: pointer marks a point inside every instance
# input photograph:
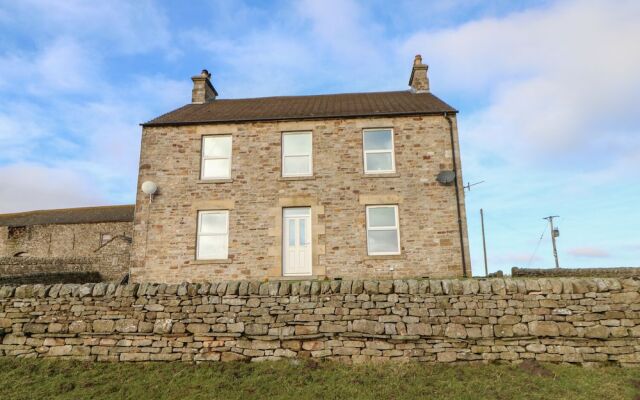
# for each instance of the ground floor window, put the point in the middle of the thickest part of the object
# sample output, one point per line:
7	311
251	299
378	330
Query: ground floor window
383	233
213	235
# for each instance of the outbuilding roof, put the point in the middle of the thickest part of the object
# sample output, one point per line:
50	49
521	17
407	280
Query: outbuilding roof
82	215
347	105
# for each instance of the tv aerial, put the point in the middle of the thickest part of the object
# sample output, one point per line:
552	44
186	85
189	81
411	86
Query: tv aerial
469	185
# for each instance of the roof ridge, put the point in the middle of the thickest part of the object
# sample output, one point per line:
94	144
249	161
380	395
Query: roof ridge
335	105
315	95
47	210
111	213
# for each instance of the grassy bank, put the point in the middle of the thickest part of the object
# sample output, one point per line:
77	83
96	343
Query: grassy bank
37	379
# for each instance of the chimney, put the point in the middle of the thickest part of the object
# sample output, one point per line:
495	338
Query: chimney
203	91
418	81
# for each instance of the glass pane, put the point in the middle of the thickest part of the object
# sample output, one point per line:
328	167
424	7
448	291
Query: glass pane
377	140
216	168
383	241
217	146
382	216
297	211
212	247
296	143
292	232
303	231
296	165
213	223
379	162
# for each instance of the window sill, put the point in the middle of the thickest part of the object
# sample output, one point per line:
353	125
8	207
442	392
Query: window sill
386	257
297	178
383	175
294	278
204	262
207	181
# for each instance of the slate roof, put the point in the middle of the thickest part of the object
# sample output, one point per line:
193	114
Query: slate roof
69	216
345	105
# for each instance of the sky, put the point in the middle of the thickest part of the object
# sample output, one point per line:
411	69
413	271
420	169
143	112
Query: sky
548	94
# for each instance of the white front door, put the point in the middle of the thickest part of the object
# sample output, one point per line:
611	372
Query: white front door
296	244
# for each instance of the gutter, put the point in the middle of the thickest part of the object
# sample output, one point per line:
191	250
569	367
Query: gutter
294	118
455	169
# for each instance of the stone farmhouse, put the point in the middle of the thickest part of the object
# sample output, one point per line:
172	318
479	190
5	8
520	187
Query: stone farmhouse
356	185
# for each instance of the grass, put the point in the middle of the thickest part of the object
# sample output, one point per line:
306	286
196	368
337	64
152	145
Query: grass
39	379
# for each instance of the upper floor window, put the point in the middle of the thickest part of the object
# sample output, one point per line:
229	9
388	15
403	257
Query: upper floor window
297	159
378	151
216	157
383	230
213	235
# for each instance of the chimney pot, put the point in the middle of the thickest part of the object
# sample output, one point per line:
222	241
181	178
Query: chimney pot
203	91
419	81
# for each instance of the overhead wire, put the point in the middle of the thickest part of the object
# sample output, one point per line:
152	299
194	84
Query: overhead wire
537	246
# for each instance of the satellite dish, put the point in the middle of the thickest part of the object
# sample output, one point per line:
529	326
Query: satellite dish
446	177
149	187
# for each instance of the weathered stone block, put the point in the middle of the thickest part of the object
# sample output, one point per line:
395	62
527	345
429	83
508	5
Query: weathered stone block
419	329
332	327
197	328
367	326
597	331
103	325
456	331
237	327
57	351
126	325
133	357
34	328
256	329
162	326
446	356
543	328
306	329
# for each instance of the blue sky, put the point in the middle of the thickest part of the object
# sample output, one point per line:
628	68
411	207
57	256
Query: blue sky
548	94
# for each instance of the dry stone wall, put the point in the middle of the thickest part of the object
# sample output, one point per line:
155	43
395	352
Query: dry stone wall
620	272
557	319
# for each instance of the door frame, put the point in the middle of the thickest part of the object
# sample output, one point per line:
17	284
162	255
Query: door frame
284	241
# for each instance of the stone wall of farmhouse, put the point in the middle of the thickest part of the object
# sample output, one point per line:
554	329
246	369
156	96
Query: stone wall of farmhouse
110	261
165	229
59	240
575	320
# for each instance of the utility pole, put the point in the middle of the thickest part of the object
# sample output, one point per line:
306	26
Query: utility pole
484	244
554	233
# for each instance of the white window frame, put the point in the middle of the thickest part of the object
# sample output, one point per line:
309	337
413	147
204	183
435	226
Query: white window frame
205	158
396	227
310	155
392	150
199	234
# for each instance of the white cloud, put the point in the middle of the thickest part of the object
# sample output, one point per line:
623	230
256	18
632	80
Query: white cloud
264	64
26	186
554	81
589	252
128	27
61	66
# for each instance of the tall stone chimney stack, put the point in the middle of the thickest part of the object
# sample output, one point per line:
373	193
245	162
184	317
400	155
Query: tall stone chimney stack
419	81
203	91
